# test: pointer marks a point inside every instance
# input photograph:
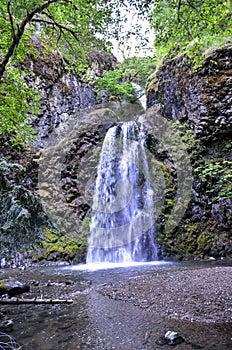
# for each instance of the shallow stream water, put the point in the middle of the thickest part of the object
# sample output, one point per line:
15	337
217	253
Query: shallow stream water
95	321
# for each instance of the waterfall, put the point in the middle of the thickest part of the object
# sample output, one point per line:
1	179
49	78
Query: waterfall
122	225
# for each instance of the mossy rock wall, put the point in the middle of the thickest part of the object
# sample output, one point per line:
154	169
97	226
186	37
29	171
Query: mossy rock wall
198	103
201	98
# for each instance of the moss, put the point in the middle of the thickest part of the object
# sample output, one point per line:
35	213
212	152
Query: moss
169	202
3	283
64	247
191	241
50	236
161	171
68	250
152	82
202	241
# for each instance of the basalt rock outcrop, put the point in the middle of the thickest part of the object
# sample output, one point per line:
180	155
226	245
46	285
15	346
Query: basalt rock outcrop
198	102
24	221
48	189
63	93
201	99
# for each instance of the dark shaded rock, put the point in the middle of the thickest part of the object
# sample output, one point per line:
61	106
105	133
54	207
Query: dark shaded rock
202	98
197	102
13	288
63	93
6	326
161	341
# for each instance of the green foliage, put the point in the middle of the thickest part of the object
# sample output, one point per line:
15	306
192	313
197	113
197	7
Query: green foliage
73	27
217	178
138	69
17	104
191	25
22	217
117	84
113	86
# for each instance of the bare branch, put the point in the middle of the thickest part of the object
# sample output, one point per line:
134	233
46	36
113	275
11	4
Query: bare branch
53	23
191	5
11	19
178	10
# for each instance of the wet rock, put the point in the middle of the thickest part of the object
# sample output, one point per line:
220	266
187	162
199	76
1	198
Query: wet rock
170	338
13	288
6	326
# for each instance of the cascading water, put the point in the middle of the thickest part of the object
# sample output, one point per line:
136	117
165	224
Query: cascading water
122	225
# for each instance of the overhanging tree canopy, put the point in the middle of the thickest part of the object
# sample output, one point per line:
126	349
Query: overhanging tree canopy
74	27
180	23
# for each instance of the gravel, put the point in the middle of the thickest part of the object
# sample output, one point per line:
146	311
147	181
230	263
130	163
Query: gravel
203	295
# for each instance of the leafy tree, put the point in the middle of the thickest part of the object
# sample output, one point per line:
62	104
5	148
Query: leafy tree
118	84
74	27
68	25
179	24
65	23
17	104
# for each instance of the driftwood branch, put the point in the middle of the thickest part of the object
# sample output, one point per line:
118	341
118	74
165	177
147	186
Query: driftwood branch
17	301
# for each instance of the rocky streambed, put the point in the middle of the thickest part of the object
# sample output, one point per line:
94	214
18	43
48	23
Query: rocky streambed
125	308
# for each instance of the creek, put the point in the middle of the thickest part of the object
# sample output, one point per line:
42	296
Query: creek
96	321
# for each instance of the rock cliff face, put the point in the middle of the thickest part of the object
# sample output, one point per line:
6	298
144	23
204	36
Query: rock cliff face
63	92
23	219
199	104
203	99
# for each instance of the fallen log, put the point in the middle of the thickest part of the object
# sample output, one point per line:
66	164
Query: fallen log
17	301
